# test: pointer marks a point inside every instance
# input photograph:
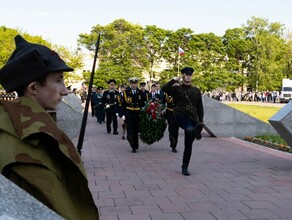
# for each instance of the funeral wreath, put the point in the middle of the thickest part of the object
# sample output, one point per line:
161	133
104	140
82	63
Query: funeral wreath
152	123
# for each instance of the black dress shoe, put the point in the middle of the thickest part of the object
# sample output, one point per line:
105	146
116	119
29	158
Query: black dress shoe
123	137
115	133
174	150
197	131
198	136
134	150
108	132
185	171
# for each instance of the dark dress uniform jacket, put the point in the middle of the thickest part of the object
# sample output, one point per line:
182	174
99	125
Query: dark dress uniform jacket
110	97
133	101
187	100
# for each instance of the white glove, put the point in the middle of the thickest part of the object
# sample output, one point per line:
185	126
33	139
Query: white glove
123	117
163	111
117	114
107	106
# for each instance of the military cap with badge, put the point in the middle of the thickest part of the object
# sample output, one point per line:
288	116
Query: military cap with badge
133	80
187	70
111	81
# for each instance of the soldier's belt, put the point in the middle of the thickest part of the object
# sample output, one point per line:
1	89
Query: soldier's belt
133	109
170	109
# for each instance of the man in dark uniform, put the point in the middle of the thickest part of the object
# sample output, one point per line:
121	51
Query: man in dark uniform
188	111
153	96
159	91
92	100
110	102
133	100
99	108
121	110
143	88
172	125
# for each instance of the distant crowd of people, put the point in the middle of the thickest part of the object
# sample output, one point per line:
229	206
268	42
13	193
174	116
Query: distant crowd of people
263	96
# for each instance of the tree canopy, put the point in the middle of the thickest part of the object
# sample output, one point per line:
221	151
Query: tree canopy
256	55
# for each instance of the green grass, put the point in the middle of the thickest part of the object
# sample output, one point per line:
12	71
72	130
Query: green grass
262	113
272	138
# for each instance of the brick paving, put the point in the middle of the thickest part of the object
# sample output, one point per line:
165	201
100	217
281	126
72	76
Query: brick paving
230	179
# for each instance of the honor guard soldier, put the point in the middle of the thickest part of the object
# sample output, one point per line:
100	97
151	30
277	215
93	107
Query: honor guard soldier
110	103
188	111
35	154
133	100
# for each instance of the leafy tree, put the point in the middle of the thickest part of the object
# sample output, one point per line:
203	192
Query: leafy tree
154	39
6	43
237	57
175	39
122	51
287	67
211	58
166	75
266	54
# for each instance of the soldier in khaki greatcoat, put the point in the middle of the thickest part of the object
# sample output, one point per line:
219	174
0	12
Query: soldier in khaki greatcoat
35	154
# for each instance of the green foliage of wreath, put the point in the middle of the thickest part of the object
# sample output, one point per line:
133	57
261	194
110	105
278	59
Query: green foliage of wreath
152	124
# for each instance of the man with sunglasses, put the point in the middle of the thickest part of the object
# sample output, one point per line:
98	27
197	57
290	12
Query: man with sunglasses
188	111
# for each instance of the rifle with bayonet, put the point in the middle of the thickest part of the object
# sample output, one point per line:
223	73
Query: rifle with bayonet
85	114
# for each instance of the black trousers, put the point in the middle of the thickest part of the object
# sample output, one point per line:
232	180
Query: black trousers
188	125
132	118
99	113
92	108
111	118
172	128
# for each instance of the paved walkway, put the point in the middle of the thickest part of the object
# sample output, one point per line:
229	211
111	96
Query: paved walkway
230	179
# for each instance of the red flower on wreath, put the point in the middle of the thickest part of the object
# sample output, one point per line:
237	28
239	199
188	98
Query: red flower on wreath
153	110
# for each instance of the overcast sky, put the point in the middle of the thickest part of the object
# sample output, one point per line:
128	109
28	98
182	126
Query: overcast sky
61	21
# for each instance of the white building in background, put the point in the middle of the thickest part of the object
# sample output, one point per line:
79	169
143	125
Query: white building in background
88	63
87	67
